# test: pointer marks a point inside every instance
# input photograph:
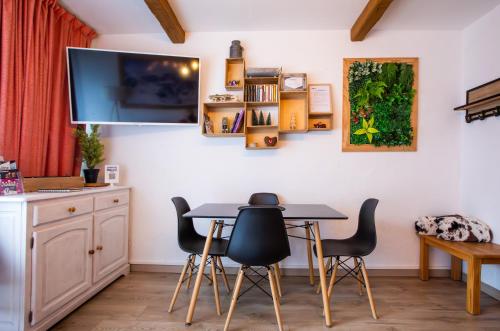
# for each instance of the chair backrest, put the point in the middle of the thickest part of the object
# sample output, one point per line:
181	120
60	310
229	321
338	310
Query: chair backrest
185	227
263	199
366	234
259	237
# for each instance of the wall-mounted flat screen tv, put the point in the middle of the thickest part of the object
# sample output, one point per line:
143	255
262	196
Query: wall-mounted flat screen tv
111	87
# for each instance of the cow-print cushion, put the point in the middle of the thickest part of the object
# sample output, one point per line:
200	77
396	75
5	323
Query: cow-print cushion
454	228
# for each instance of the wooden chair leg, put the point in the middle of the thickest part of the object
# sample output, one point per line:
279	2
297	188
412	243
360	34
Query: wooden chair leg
276	300
278	282
224	277
328	265
277	269
358	275
236	292
334	277
178	287
309	254
215	285
368	289
192	264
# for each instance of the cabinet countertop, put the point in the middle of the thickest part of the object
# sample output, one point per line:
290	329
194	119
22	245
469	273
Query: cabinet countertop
35	196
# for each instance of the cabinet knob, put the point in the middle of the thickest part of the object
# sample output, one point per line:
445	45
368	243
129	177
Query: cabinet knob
91	252
72	209
116	200
99	248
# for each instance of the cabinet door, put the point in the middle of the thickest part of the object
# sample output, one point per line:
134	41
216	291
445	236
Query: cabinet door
62	265
110	241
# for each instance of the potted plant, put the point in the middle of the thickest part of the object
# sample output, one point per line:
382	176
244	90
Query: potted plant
92	151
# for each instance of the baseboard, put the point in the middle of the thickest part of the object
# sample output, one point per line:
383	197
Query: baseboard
297	271
488	289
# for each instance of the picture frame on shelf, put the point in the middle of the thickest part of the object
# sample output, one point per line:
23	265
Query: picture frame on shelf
320	98
293	82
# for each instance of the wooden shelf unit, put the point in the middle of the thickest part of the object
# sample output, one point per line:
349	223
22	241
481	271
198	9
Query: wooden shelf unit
323	117
293	102
254	135
257	133
282	105
482	101
216	111
326	118
235	70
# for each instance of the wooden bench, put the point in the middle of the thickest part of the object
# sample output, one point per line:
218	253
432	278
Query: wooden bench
475	254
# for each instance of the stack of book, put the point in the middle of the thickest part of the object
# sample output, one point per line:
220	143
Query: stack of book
239	119
261	93
11	181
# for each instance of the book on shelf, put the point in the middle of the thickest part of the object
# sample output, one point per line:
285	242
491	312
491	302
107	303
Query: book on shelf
238	122
261	92
233	127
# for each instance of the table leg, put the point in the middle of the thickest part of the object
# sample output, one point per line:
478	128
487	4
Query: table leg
309	254
199	275
322	276
456	268
473	286
424	259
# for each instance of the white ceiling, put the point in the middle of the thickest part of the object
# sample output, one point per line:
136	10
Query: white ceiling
133	16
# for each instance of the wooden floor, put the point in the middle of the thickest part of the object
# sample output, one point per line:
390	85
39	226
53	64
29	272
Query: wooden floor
140	302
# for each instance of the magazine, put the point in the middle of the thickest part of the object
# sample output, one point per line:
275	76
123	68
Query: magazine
11	182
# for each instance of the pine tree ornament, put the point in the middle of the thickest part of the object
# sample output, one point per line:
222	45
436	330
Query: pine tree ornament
261	118
268	120
255	121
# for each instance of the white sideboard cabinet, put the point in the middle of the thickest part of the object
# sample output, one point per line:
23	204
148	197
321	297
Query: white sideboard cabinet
57	250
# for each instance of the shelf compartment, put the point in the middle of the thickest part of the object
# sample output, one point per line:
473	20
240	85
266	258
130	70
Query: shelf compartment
326	118
218	110
235	70
266	109
293	103
257	136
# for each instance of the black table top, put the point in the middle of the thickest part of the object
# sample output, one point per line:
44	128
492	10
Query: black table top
291	212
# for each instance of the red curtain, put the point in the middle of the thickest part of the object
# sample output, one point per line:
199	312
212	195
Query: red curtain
35	125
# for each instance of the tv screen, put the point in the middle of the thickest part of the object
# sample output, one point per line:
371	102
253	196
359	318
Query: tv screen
110	87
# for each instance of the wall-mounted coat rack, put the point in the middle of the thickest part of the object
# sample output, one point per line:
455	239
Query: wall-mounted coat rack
482	101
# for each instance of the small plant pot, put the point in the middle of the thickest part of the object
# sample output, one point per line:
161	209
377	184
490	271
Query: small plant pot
90	175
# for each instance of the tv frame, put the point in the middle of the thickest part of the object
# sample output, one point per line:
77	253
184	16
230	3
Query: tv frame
131	123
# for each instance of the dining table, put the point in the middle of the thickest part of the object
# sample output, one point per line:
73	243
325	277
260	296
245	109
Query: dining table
311	214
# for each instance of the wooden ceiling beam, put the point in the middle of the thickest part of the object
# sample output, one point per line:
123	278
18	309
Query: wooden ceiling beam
165	15
371	14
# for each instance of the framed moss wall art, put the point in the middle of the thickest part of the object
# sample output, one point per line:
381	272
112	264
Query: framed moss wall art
380	105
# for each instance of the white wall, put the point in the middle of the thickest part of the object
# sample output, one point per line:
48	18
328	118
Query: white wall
162	162
480	152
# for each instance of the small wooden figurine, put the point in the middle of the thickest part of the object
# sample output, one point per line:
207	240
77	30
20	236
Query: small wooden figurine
293	122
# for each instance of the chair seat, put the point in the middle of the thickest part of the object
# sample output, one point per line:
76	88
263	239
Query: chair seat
196	246
344	247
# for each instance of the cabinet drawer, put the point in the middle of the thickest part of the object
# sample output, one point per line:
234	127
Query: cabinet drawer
108	200
53	210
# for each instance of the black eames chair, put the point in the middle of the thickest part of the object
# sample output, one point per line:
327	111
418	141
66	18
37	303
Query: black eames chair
272	199
267	199
258	239
193	243
361	244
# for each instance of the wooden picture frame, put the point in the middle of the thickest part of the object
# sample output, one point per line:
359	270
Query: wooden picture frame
346	109
286	76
